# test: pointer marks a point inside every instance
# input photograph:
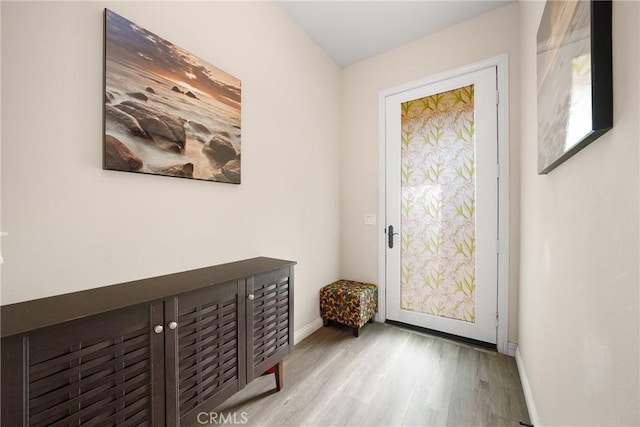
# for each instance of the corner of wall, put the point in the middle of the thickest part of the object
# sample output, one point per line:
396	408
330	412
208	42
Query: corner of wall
301	333
526	388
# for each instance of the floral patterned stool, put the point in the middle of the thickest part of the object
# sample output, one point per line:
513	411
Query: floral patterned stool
350	303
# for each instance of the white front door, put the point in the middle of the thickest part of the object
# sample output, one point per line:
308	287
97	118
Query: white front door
442	205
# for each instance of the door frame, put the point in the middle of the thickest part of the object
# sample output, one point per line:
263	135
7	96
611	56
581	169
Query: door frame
501	62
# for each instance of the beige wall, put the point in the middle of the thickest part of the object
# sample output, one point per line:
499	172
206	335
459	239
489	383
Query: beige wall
1	261
74	226
480	38
579	278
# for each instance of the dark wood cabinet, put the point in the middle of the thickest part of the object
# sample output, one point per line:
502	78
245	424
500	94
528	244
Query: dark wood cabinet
102	369
206	352
270	330
186	343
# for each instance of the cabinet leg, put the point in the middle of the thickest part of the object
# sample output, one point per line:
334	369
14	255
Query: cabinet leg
279	372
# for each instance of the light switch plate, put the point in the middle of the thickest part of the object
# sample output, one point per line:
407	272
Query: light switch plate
370	219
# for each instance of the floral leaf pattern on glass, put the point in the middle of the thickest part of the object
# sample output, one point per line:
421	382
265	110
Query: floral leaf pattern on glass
438	205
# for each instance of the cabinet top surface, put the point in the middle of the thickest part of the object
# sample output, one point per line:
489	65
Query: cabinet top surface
29	315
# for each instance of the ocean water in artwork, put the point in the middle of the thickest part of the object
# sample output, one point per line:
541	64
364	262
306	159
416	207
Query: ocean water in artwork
167	111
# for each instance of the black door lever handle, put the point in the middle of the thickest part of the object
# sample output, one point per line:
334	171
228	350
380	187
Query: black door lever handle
390	233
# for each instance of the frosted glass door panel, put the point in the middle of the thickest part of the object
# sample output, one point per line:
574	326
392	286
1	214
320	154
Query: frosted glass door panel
438	205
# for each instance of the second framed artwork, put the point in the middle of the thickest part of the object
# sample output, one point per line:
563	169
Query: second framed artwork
575	88
166	111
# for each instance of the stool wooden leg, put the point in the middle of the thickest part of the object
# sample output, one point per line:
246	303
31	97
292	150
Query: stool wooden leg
356	332
325	321
279	372
371	320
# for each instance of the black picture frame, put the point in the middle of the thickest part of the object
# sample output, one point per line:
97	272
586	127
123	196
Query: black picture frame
575	85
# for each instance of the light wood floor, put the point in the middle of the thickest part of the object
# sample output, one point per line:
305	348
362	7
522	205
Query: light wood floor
387	377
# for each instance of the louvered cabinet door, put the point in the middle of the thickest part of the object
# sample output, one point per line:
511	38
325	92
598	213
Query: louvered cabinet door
269	320
205	350
103	370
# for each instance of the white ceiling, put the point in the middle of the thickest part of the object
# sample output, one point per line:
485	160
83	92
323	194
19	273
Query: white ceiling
350	31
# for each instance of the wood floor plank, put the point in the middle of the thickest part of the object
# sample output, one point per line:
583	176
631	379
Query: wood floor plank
422	415
388	376
396	391
436	390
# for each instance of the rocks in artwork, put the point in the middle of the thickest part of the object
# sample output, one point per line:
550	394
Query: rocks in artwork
166	111
118	156
184	171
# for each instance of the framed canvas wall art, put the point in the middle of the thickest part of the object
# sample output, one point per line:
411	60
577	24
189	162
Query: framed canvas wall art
166	111
575	88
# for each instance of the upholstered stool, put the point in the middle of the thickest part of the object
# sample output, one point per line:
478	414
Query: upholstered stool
350	303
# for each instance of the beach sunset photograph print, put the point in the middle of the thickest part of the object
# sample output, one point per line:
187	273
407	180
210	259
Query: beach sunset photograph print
167	112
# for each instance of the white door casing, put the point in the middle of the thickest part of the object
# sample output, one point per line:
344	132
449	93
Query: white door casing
492	217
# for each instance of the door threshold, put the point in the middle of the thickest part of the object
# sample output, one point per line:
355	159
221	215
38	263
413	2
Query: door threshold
456	338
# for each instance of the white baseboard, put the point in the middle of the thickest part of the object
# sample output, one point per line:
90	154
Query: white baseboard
511	348
526	388
307	330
